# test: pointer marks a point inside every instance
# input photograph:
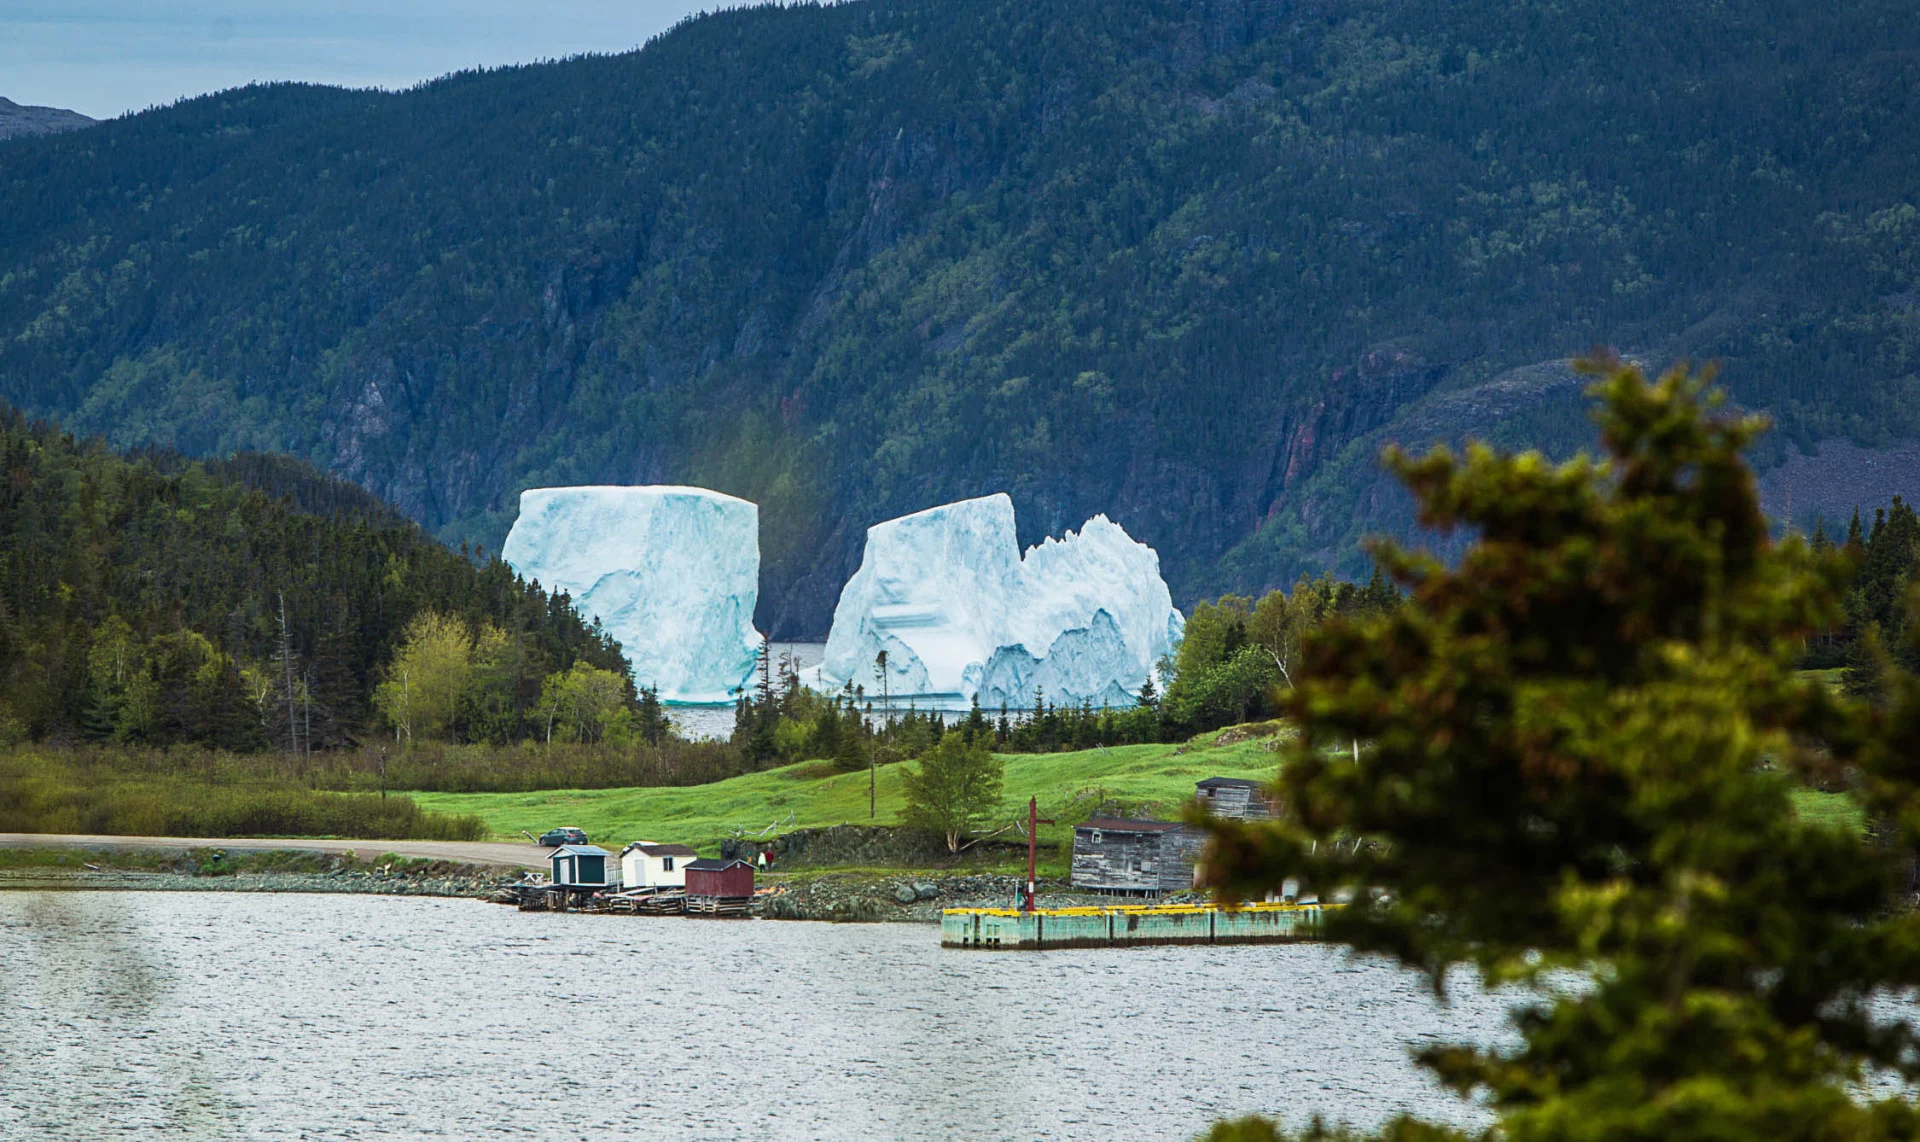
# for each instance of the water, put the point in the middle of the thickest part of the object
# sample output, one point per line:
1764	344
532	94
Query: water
242	1016
699	722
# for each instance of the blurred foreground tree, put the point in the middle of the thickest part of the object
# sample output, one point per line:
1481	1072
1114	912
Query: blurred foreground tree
1581	751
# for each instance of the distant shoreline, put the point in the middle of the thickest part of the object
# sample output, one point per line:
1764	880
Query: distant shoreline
893	896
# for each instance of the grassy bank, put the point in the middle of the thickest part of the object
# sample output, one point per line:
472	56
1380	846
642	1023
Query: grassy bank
197	794
1142	779
1154	779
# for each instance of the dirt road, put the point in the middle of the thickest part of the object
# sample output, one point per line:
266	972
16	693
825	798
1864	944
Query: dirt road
468	852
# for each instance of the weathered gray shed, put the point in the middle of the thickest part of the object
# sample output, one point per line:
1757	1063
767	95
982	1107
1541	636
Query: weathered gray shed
1234	797
1134	857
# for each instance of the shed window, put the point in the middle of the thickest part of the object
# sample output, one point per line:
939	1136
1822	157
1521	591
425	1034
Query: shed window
666	864
1096	836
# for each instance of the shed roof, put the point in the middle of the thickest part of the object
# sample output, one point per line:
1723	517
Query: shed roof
582	850
1129	825
664	850
1227	783
711	865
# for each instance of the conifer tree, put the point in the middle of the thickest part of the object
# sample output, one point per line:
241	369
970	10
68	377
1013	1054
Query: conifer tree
1579	753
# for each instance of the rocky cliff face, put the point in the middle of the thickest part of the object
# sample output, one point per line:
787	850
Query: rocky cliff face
18	121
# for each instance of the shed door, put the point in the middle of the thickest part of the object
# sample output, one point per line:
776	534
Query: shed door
593	869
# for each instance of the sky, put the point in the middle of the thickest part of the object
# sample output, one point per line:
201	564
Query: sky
106	57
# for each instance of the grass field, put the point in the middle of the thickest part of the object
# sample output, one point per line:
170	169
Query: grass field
1156	779
1153	780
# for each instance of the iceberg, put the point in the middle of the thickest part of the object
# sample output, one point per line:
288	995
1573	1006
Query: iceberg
673	573
962	614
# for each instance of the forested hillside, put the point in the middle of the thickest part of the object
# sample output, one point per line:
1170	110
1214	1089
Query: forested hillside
156	600
1187	262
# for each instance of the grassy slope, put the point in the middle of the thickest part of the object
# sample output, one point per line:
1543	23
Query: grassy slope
1155	778
1068	785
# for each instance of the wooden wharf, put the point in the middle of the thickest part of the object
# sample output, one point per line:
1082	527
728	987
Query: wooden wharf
1010	929
666	901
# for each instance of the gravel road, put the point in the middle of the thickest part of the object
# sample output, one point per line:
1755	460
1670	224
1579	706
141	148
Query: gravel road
467	852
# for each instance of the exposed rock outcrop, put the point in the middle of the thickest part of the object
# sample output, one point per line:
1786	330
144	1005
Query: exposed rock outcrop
17	121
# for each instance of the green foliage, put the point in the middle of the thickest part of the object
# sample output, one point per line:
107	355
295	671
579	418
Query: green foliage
850	260
1885	561
1580	750
140	603
1237	657
441	767
588	704
952	788
203	794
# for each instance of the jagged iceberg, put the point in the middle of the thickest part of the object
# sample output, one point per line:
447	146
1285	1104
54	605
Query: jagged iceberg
671	572
961	614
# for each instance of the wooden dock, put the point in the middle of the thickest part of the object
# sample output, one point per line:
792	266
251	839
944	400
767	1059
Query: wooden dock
1128	925
545	897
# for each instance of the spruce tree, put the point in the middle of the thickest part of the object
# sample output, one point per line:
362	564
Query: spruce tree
1578	752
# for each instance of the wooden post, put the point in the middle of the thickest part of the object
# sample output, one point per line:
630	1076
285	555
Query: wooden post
873	753
1034	821
286	667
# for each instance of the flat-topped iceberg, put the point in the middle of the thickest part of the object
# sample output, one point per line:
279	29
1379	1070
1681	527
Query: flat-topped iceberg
671	572
962	615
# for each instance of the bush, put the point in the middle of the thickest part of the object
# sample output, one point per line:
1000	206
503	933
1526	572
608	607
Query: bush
85	791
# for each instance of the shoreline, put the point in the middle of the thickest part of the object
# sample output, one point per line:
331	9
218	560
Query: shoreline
900	896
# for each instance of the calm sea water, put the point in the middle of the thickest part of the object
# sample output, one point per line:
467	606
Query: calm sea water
233	1016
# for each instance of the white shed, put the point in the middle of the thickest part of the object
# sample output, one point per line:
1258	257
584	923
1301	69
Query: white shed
644	864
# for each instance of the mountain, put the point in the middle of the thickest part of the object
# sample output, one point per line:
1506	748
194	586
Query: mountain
1186	262
17	121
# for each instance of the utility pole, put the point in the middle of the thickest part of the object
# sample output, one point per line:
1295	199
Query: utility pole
306	710
1034	821
873	752
286	666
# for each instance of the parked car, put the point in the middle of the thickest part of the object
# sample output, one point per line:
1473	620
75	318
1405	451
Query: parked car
554	838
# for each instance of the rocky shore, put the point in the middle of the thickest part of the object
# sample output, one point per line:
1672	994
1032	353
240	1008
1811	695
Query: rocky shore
214	870
866	897
906	898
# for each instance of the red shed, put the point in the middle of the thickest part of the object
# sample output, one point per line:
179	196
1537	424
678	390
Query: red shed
720	878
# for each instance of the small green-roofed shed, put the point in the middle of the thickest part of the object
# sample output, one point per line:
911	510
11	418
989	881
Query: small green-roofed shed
580	866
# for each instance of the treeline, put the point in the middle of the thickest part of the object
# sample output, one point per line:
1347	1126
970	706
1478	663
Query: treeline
1233	665
153	600
1885	558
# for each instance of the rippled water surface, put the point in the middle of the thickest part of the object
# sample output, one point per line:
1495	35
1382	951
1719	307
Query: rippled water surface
232	1016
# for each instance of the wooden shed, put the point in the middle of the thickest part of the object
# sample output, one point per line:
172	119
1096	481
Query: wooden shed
719	887
1234	797
581	866
1131	857
644	864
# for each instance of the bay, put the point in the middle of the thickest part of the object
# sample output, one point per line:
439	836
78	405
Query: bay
262	1016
